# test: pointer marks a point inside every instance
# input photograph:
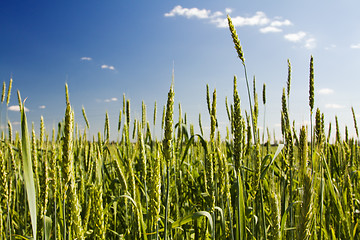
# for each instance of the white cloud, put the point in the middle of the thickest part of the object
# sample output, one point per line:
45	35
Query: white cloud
216	14
278	23
333	105
114	99
270	29
310	43
220	22
104	66
16	108
275	25
295	37
86	58
325	91
259	19
355	46
188	12
42	107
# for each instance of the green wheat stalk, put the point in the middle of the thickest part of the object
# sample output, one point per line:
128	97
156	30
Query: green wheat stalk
168	147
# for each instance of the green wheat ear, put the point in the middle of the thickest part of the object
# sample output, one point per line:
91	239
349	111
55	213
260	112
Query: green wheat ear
311	85
73	209
303	152
4	195
124	103
169	125
163	118
143	115
264	93
288	83
236	122
119	121
319	128
200	125
128	113
338	136
9	92
10	131
155	110
107	128
67	94
3	92
85	118
236	40
208	98
167	146
355	123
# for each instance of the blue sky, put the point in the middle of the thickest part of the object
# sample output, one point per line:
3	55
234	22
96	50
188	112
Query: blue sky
103	49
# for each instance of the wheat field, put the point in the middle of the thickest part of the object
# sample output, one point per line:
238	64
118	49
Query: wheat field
65	184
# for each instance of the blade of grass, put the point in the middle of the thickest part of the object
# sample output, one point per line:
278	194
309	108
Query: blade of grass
28	169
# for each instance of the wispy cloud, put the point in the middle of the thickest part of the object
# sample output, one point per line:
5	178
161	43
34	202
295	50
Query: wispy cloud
259	19
86	58
334	106
42	107
295	37
325	91
275	25
114	99
188	12
104	66
355	46
270	29
16	108
310	43
278	23
217	14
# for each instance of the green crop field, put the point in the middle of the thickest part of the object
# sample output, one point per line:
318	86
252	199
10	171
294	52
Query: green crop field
65	184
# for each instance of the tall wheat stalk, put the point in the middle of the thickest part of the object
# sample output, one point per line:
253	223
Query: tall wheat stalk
168	147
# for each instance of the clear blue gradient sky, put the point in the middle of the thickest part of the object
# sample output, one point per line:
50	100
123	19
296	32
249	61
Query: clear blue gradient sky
103	49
